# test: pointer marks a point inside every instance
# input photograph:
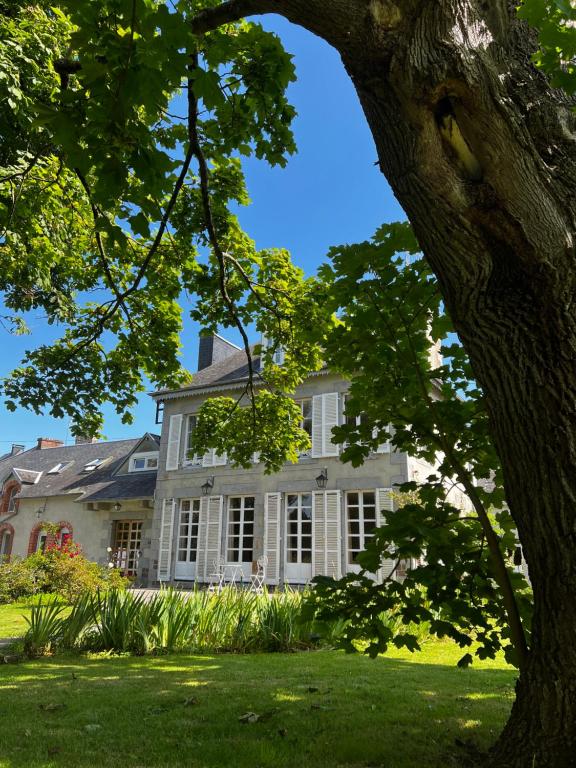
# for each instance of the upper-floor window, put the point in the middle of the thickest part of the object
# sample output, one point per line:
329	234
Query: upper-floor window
60	467
12	499
143	462
91	465
189	456
306	419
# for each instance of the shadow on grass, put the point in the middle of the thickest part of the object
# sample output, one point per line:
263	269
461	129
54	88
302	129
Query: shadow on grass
320	709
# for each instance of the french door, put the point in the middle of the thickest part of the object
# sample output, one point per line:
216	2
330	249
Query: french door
187	539
361	519
126	549
298	559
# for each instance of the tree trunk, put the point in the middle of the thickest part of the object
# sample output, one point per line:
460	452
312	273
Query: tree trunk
481	154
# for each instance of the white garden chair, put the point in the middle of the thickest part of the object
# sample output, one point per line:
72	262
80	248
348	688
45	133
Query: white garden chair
216	578
257	579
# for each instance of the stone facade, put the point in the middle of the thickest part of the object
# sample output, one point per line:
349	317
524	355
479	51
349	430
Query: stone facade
244	514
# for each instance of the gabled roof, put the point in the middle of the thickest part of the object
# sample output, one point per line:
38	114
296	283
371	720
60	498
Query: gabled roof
74	479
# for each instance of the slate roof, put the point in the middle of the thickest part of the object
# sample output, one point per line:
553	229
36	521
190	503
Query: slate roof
230	369
100	483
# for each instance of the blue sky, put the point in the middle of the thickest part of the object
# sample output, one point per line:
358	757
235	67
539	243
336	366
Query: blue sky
331	192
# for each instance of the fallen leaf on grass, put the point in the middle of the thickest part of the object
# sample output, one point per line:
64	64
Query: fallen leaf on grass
51	707
282	732
91	727
252	717
313	689
190	701
249	717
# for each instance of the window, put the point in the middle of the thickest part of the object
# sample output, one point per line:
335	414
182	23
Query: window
143	463
360	521
5	544
299	528
240	535
353	421
41	541
64	536
306	420
190	458
12	499
92	465
60	467
188	530
126	549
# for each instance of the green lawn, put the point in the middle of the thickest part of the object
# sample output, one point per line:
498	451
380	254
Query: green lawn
12	623
321	709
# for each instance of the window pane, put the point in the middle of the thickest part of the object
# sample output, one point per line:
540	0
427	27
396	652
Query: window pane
369	497
306	557
352	498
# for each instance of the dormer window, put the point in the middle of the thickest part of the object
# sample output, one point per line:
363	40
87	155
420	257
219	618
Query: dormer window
92	465
144	462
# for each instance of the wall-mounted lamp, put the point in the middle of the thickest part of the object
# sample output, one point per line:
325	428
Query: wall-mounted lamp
117	507
322	478
207	486
39	513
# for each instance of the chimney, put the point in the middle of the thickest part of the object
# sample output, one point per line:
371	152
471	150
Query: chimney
48	442
83	440
16	449
214	348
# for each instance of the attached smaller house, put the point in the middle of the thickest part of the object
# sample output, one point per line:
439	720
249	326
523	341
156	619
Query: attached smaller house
98	494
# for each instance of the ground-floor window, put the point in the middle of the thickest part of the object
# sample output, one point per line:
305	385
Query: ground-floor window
240	533
299	528
360	521
188	530
5	544
126	545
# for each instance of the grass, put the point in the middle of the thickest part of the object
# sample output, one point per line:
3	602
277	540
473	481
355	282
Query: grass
12	621
321	709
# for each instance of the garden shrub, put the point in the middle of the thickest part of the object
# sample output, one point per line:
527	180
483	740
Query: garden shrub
62	570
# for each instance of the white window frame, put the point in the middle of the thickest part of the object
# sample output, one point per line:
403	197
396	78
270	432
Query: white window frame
184	541
94	464
303	419
12	500
147	457
195	460
60	467
299	570
361	534
242	534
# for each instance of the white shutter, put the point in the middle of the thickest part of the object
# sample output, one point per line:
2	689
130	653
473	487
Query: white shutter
220	460
209	536
329	420
173	452
208	458
327	535
165	546
272	518
202	531
256	457
384	504
324	417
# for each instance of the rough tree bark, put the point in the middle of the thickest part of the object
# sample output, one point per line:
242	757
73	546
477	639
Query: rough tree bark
481	154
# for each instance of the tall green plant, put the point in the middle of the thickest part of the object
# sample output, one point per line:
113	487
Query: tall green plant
44	627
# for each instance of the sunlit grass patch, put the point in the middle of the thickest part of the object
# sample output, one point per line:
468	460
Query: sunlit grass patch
320	709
